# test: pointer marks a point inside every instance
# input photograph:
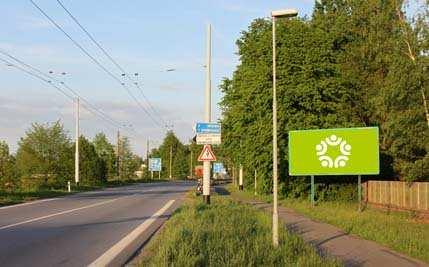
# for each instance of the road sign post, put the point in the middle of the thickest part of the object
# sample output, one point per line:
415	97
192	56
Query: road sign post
346	151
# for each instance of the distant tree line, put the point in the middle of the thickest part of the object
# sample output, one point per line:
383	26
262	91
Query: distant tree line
181	156
46	154
353	63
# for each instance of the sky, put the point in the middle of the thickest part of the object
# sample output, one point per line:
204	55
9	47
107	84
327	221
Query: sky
144	37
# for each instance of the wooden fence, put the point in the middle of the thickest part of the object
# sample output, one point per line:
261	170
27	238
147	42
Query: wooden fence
399	195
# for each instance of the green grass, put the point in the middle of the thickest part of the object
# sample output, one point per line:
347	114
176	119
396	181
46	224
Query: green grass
16	197
10	198
226	233
397	230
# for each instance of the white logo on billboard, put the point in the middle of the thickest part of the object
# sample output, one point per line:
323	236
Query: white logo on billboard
333	141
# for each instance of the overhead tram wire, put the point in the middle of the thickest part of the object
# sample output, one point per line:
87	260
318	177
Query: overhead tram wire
50	78
39	76
96	62
111	59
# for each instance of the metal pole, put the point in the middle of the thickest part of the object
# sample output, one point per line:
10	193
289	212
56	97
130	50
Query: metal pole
360	192
171	159
118	138
312	190
151	175
190	171
240	177
147	156
275	164
159	175
207	116
76	160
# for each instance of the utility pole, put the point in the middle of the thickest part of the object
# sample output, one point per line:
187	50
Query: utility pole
207	116
171	159
76	159
190	171
147	156
118	158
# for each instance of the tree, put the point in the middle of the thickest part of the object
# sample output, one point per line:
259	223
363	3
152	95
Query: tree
8	176
180	154
92	168
347	66
106	152
129	162
45	156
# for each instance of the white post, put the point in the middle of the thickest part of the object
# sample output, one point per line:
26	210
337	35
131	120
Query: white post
207	116
68	186
76	159
240	178
171	159
151	175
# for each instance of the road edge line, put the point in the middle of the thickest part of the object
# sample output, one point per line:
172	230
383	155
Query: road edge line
109	256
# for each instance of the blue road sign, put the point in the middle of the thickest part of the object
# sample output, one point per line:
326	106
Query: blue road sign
155	164
207	128
218	167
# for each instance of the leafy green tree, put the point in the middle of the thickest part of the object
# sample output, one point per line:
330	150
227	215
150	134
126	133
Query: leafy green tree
346	66
45	156
92	168
129	162
180	162
105	150
8	175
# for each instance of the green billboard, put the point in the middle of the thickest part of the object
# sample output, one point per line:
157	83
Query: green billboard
347	151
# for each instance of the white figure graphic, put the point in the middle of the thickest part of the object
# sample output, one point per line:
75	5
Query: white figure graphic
333	141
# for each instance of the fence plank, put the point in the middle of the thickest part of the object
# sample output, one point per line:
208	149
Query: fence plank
398	194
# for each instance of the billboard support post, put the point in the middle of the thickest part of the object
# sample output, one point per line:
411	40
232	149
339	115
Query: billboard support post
312	190
360	193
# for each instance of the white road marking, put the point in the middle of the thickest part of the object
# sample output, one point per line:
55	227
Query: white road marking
59	213
114	251
27	203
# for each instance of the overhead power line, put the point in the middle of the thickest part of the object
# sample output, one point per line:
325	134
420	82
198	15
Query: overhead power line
125	73
108	72
38	74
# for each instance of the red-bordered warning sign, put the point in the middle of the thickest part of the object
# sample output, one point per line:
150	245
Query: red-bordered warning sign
207	154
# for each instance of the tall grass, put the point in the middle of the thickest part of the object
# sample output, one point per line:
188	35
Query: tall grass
227	234
397	230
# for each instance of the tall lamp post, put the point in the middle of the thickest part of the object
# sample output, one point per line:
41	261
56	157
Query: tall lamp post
285	13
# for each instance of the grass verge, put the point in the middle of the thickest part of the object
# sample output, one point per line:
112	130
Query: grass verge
396	230
16	197
226	233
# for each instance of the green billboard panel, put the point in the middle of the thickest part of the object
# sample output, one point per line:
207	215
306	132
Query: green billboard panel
348	151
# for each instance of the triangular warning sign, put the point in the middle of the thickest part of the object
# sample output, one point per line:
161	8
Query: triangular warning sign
207	154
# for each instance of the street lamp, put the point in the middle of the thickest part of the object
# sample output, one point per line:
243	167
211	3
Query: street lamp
285	13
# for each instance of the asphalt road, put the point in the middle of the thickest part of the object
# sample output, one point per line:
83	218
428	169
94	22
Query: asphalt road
93	228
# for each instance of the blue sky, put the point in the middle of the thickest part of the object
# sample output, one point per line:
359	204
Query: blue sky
147	37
